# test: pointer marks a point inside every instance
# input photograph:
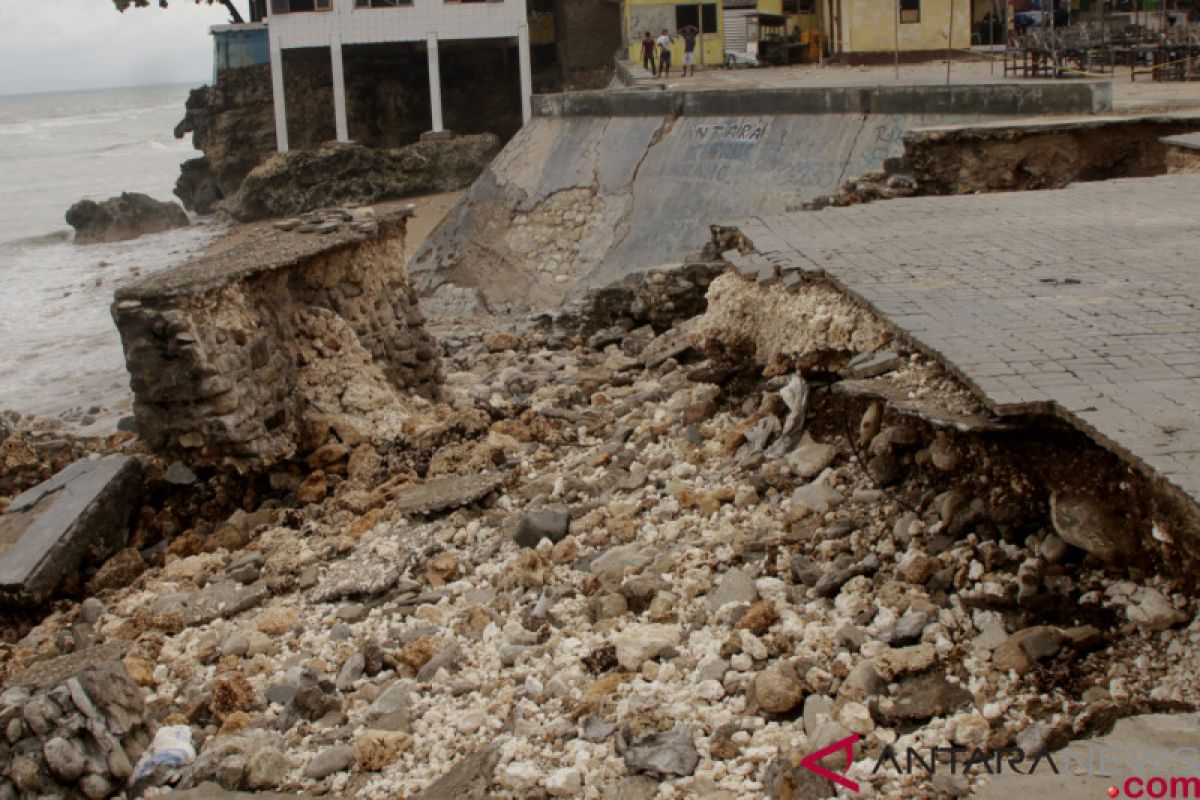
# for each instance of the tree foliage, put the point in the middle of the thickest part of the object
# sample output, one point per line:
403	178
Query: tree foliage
236	16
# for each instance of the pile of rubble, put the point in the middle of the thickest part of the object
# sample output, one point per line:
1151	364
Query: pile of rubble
330	220
636	562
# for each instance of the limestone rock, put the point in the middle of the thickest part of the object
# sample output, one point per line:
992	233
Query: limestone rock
894	662
922	697
662	754
735	587
351	174
777	689
542	523
330	760
125	217
638	643
1088	524
1153	611
816	497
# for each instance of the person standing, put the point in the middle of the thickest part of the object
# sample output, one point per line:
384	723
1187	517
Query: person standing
648	61
664	54
689	34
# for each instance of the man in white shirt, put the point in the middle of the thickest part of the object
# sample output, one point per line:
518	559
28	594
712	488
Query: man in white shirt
664	54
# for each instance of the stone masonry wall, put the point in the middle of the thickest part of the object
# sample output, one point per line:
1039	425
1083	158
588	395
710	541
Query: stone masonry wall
251	356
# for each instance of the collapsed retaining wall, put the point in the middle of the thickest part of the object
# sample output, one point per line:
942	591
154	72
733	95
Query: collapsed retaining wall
602	184
241	358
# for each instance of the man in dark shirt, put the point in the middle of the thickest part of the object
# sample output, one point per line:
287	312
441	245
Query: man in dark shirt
648	61
689	34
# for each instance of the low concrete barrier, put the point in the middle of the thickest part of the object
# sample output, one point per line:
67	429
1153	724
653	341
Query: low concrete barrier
1051	97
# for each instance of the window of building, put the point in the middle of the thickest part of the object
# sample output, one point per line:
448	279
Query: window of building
791	7
296	6
381	3
690	15
910	10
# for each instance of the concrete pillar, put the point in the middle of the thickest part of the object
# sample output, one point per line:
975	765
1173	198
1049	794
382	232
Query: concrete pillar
339	89
526	72
435	81
277	96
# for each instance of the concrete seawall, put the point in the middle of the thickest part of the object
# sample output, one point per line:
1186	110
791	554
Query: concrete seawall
602	184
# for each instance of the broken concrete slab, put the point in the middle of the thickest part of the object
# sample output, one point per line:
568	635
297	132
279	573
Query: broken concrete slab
79	515
1138	749
872	365
454	491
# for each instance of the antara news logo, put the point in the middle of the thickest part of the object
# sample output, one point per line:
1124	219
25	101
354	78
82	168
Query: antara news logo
1087	760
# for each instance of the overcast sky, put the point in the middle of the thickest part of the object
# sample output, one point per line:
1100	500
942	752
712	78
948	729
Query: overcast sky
52	45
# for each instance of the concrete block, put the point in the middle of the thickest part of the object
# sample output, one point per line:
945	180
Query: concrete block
621	103
800	100
81	515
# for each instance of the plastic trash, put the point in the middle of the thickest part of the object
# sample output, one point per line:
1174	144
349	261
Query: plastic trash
170	750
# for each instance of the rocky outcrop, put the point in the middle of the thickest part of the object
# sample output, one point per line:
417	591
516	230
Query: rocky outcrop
252	356
74	727
387	105
338	174
232	123
126	217
197	187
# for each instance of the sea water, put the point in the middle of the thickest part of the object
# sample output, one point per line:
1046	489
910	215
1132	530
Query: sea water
60	354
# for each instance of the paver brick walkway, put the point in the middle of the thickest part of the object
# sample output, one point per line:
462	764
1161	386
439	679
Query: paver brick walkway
1083	302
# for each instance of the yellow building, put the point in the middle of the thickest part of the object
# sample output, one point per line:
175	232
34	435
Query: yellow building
656	16
869	31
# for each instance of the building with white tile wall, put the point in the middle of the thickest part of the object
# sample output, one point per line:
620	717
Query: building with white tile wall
338	23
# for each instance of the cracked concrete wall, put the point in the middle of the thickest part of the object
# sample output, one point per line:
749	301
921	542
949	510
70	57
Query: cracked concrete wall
647	188
240	358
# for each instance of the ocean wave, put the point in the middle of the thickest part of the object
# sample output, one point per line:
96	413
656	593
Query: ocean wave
53	237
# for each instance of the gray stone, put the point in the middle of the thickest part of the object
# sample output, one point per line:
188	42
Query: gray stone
543	523
392	710
64	759
662	755
352	612
1090	525
1021	651
842	570
814	706
872	365
809	459
804	570
266	768
468	779
817	497
923	697
909	627
95	787
447	658
1053	549
610	566
79	516
454	491
91	609
235	644
632	787
735	586
329	761
350	672
596	729
1153	611
127	216
179	474
220	599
